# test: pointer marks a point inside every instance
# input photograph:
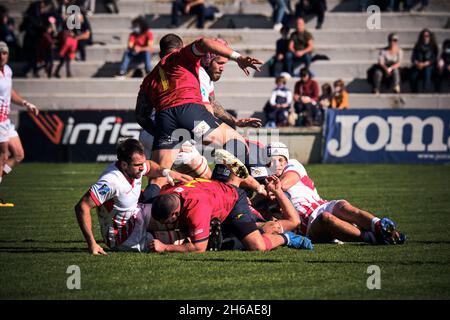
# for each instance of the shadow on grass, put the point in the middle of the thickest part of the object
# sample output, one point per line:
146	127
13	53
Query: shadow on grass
390	262
206	259
40	250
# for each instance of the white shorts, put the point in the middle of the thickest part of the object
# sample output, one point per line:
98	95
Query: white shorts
147	140
140	238
326	207
7	131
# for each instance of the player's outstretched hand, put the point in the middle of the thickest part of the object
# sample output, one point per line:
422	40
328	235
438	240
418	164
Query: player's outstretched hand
96	250
249	122
245	62
157	246
180	177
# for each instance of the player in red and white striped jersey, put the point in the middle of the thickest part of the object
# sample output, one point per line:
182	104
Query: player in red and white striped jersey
322	220
123	222
9	139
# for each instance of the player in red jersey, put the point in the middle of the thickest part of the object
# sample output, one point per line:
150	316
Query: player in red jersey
172	89
196	203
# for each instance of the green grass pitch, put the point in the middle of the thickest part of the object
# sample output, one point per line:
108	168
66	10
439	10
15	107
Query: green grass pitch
40	239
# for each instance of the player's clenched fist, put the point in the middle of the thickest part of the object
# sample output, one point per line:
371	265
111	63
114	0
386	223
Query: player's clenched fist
157	246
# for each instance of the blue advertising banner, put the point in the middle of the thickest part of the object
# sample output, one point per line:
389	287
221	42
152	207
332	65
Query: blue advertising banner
387	136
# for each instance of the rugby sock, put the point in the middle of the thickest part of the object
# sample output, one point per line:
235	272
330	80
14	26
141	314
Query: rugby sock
285	238
369	237
150	193
6	169
267	242
374	222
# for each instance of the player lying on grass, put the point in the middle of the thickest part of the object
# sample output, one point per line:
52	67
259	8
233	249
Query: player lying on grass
172	89
123	222
324	221
196	203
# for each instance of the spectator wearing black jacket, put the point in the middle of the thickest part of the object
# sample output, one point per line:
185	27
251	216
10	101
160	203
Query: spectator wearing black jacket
424	58
444	65
282	48
7	35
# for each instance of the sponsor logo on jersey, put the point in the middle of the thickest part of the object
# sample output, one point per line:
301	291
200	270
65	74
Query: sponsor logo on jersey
104	189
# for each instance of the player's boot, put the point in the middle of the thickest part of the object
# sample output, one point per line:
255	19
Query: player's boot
215	235
222	156
6	204
298	242
386	232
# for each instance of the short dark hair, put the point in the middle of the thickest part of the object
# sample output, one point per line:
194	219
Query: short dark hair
163	206
127	148
168	43
304	72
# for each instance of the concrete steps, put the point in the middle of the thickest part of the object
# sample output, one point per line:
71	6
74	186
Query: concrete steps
245	105
267	38
354	53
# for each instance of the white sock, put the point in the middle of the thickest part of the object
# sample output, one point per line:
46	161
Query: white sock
374	221
7	169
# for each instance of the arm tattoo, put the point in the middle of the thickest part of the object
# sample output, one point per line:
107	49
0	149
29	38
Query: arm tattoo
222	114
143	113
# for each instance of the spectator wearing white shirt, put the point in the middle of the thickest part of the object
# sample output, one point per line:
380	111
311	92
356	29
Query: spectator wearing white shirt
277	109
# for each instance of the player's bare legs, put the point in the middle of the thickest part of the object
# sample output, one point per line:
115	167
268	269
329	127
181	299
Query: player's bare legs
254	241
17	153
328	227
3	156
345	211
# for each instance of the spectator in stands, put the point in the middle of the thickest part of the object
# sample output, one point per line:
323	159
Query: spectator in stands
424	58
68	47
277	109
306	98
140	46
32	24
394	5
45	48
7	35
388	67
282	48
279	10
324	103
196	7
301	45
111	6
340	96
444	65
315	7
83	35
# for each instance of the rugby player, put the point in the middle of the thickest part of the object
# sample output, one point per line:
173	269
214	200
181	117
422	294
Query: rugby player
325	221
11	150
173	90
196	203
123	222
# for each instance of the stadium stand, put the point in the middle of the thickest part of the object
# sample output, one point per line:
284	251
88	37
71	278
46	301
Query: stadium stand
246	24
